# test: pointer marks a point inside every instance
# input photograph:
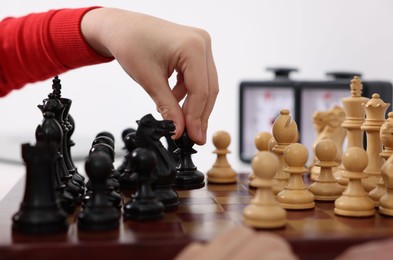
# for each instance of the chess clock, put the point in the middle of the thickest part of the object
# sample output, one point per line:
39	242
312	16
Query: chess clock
260	103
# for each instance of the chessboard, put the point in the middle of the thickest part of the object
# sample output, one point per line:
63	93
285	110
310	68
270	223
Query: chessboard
202	214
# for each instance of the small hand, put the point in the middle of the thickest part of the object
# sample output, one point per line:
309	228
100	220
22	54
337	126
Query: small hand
150	50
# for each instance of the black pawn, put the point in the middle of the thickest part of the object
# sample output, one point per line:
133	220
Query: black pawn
40	211
113	180
123	166
107	134
127	180
112	184
144	205
104	139
99	213
187	177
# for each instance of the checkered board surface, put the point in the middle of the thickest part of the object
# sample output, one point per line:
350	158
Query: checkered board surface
205	212
202	214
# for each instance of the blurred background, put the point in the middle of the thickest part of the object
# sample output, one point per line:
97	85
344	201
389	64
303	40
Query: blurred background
248	36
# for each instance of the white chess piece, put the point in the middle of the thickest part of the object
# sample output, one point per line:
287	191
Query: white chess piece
264	211
221	172
296	195
354	202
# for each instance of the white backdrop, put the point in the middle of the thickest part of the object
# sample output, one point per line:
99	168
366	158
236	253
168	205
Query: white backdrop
248	36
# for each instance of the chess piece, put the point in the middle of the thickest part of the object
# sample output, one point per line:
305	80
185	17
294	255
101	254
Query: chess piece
264	211
99	213
148	136
271	144
284	132
261	142
296	195
122	167
329	123
127	180
40	211
50	132
326	188
112	184
188	177
171	147
221	172
354	202
355	117
104	140
319	123
79	178
386	201
375	116
386	136
54	106
107	134
115	175
63	117
144	204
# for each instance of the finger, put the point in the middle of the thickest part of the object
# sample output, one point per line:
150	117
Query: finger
190	252
223	246
376	250
196	82
156	85
213	91
179	90
263	246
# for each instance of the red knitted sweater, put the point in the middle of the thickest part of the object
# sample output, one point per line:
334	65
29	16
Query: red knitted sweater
41	45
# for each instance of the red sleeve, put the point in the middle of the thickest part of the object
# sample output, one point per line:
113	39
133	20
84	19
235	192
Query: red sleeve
41	45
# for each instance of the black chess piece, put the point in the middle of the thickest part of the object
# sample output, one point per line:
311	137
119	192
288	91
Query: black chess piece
148	136
122	167
59	107
111	183
105	139
144	205
113	179
80	179
127	180
99	213
63	117
171	147
40	211
50	132
102	139
107	134
188	177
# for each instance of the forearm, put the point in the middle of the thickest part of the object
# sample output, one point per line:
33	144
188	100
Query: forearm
38	46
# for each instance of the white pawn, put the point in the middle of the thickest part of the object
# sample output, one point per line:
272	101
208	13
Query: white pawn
221	172
264	211
326	188
386	201
354	202
296	195
262	144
